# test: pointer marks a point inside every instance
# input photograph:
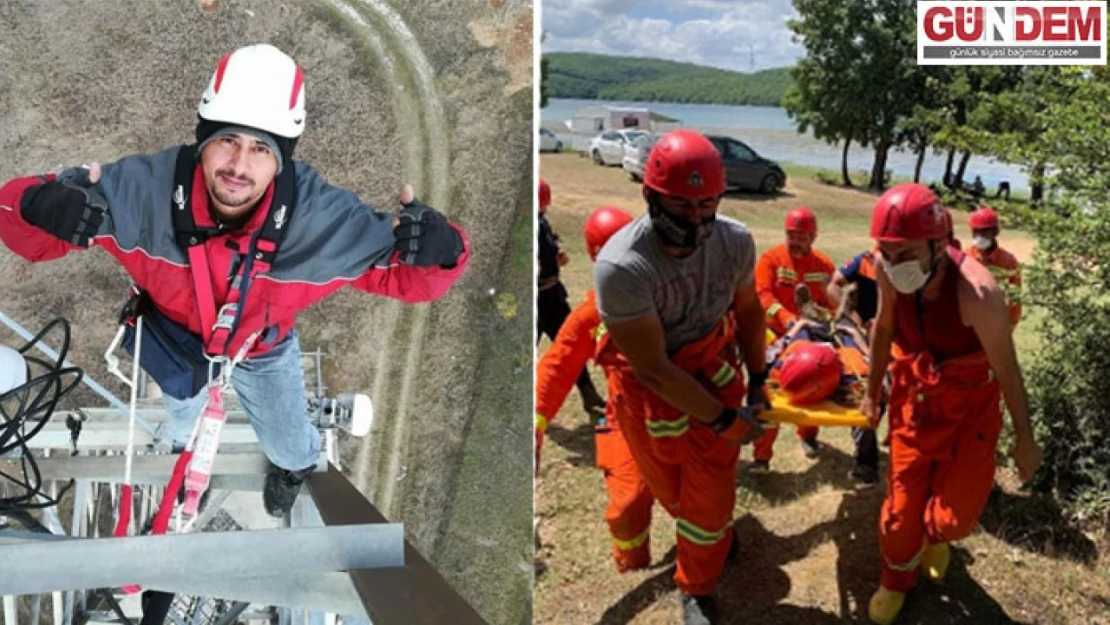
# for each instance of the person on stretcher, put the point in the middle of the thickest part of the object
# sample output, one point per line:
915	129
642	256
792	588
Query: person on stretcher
823	356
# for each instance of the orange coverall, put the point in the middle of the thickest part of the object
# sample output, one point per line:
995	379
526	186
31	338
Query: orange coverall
776	275
689	468
945	418
1005	268
629	511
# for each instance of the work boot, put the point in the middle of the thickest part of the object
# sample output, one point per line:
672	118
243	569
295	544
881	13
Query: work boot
934	561
865	473
810	446
885	606
698	609
759	467
281	489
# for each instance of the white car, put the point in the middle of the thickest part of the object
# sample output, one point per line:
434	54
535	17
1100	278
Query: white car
549	142
608	148
636	154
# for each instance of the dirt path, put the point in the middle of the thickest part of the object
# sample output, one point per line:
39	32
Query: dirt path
808	534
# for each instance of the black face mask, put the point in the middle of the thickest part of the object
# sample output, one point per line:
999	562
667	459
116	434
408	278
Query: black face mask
677	231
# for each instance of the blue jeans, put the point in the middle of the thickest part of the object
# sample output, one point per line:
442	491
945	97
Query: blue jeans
271	389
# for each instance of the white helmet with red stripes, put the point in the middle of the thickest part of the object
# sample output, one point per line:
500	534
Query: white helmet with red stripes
257	86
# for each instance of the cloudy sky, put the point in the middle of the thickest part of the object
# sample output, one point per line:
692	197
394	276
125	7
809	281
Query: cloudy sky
740	35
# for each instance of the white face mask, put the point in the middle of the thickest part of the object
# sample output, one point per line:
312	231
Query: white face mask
907	277
983	243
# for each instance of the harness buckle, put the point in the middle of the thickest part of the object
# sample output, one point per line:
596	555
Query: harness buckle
226	316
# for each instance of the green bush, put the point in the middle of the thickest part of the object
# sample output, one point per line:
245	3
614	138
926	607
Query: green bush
1069	380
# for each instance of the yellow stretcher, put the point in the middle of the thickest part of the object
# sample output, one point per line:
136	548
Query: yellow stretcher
823	414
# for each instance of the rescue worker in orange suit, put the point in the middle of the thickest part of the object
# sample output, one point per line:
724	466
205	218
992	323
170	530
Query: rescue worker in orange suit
860	271
780	271
629	511
947	316
551	298
676	291
1003	265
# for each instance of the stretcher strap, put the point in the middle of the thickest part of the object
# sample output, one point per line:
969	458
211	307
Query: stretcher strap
629	545
698	535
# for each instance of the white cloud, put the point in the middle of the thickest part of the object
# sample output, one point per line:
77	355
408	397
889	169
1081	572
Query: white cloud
733	35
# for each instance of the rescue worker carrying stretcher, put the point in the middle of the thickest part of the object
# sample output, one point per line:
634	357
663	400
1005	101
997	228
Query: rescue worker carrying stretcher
552	308
855	280
780	277
946	315
629	511
676	290
229	238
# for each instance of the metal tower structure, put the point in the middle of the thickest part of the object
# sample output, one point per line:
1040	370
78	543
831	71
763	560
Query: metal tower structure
333	559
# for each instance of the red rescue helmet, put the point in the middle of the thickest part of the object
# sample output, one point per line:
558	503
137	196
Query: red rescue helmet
684	163
810	372
984	219
545	194
801	219
603	223
908	212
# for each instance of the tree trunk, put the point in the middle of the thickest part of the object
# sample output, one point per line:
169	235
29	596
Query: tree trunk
921	149
878	169
963	167
1036	187
844	160
948	167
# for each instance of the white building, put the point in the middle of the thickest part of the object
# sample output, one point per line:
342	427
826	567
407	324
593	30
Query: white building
593	120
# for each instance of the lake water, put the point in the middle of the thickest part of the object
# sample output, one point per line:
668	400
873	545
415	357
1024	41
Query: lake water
773	134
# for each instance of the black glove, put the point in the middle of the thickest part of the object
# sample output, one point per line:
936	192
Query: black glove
424	237
739	425
756	393
71	208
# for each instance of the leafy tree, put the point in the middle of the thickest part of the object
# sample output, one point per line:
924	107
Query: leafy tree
597	76
543	76
1069	278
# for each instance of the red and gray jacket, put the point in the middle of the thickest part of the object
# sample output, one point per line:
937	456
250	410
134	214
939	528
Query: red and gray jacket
333	240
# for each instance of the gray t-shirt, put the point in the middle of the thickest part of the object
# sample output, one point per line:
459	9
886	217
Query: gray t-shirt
636	277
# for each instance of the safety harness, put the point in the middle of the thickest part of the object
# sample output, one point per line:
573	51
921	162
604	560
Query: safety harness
193	467
220	326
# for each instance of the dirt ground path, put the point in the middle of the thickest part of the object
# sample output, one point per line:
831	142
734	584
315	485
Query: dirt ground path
808	534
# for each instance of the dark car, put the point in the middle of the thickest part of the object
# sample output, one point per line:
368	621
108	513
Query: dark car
747	170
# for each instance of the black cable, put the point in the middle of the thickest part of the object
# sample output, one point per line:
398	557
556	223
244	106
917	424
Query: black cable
34	402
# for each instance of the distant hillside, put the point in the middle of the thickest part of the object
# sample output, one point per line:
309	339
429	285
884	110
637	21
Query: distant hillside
604	77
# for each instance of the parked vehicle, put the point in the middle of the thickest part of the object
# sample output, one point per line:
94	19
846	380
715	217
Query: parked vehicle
608	148
745	169
549	142
636	154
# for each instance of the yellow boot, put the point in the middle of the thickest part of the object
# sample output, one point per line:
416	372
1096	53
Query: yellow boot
885	606
934	561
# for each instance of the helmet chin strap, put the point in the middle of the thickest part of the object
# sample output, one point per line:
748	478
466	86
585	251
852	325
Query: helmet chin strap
934	262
